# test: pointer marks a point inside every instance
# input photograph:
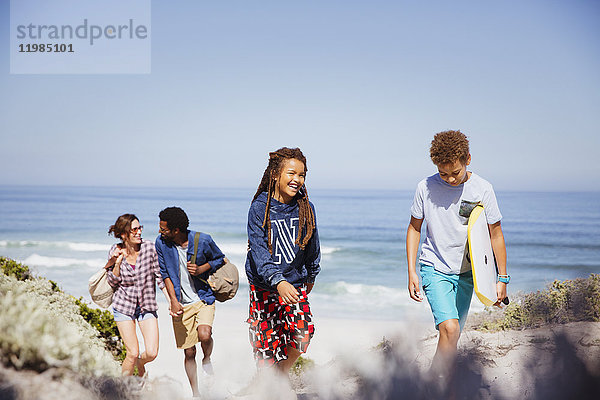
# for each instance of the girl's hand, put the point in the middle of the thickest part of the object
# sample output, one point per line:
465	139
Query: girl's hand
287	292
309	287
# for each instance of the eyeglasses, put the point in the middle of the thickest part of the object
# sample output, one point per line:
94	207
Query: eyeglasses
136	229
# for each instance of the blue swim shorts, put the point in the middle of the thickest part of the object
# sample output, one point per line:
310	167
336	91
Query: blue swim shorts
449	295
138	315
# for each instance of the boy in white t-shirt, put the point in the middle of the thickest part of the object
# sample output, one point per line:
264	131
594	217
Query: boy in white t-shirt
444	201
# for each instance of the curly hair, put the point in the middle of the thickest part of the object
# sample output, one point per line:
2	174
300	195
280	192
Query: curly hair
175	217
267	184
122	225
449	146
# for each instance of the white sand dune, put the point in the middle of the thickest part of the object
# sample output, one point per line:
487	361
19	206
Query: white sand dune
551	362
232	356
342	349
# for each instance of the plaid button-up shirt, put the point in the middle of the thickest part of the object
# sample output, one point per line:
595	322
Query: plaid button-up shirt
136	286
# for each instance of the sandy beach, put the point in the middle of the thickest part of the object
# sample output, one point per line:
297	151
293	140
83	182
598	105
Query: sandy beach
351	359
507	364
232	356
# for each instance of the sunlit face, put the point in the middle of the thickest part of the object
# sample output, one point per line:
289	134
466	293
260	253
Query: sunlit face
165	232
454	173
290	180
135	233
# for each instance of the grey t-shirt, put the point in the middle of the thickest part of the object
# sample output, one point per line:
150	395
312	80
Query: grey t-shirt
446	209
188	293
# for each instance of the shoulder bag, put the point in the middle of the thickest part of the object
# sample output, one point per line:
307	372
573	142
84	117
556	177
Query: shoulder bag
100	290
225	281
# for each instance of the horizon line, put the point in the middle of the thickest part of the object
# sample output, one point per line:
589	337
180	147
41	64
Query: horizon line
318	188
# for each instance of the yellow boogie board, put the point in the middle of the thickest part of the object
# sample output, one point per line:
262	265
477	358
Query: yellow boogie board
483	263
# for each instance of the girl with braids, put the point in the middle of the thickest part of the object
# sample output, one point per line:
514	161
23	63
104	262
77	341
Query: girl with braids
282	262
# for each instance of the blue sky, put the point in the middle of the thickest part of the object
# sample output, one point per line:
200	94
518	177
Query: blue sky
360	87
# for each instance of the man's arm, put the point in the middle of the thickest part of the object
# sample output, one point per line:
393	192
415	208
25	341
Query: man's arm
207	251
175	307
196	270
214	256
499	248
162	265
413	237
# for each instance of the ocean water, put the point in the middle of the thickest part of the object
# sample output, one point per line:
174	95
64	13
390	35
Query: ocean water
61	232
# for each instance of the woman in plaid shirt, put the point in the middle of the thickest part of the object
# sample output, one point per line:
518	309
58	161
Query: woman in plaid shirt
133	272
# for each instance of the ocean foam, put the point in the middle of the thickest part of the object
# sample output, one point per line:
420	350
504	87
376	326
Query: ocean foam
329	250
238	249
74	246
361	294
241	249
364	301
19	243
88	246
58	262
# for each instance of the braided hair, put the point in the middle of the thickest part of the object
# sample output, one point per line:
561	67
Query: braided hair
306	215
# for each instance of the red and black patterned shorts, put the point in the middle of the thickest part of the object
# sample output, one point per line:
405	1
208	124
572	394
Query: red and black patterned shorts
275	325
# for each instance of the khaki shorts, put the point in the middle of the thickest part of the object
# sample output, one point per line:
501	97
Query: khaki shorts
186	325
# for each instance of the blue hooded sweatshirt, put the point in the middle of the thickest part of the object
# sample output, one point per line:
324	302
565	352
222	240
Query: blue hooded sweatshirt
288	262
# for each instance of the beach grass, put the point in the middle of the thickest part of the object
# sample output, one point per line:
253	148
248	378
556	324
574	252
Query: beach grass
106	326
17	270
560	303
301	365
43	327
